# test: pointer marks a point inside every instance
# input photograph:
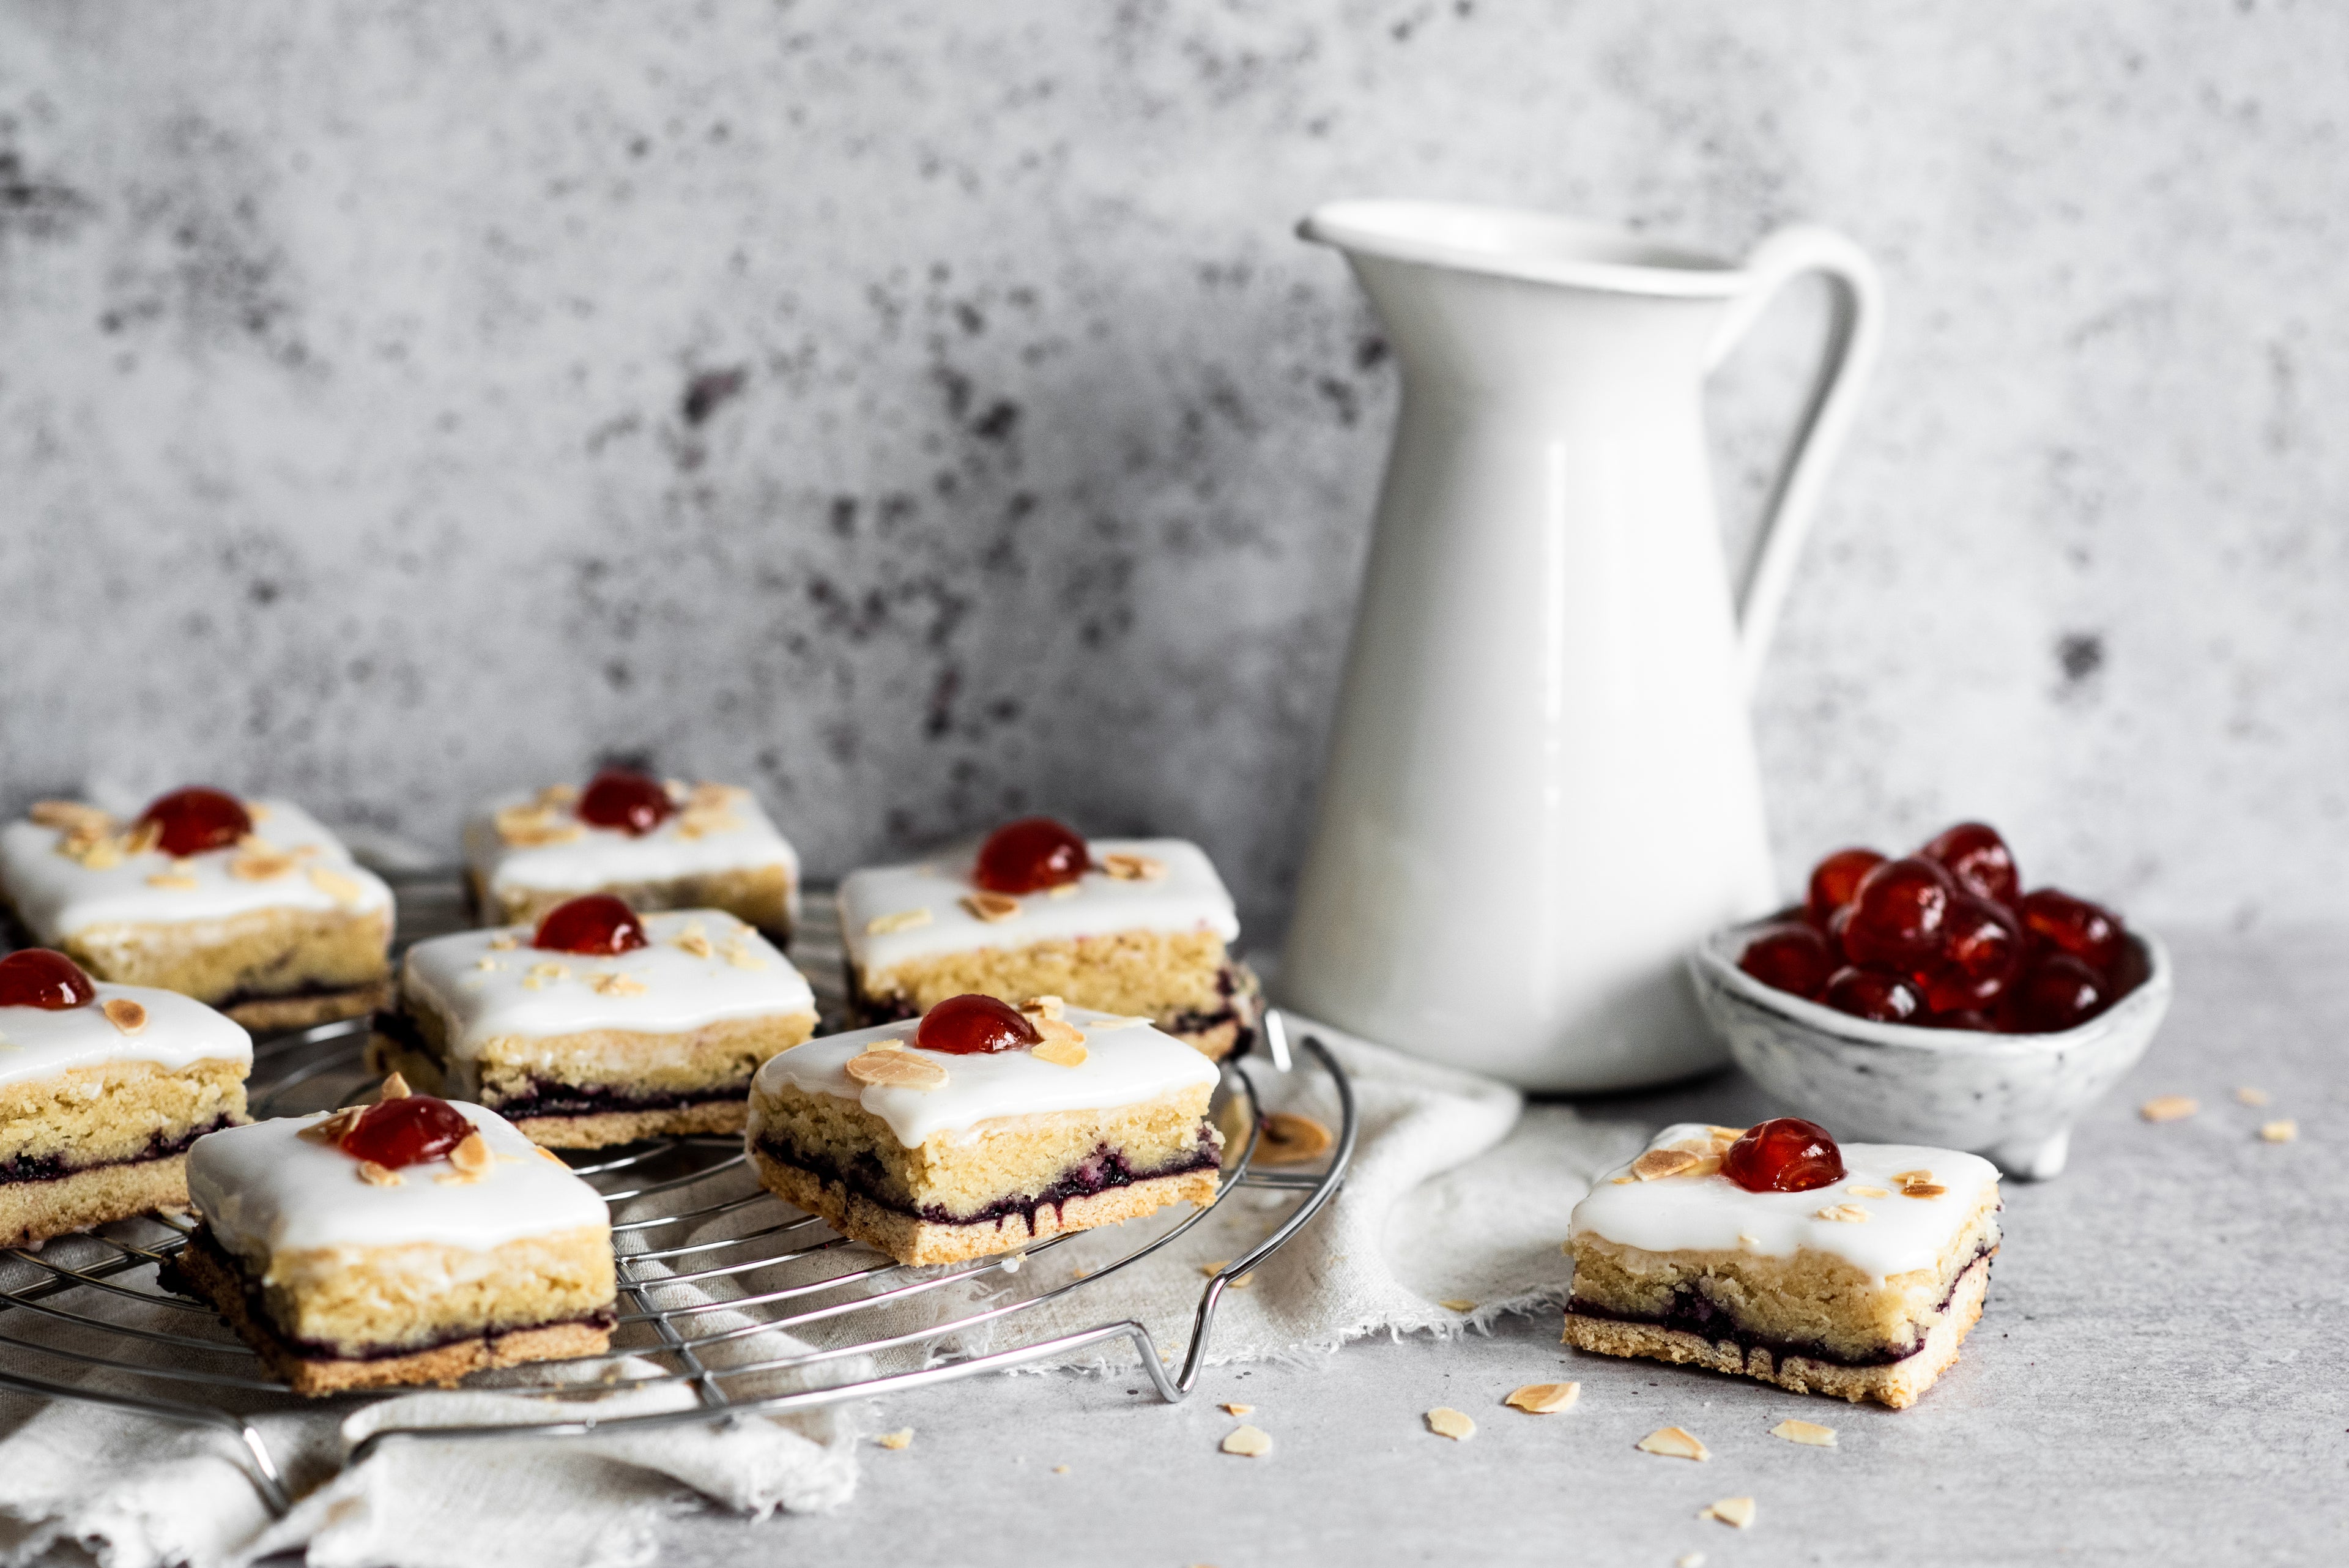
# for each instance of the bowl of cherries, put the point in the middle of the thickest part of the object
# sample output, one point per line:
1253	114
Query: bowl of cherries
1930	998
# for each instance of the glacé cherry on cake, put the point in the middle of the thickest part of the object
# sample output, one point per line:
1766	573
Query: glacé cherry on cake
251	906
103	1088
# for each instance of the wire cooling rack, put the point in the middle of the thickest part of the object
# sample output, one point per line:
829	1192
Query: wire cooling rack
84	1318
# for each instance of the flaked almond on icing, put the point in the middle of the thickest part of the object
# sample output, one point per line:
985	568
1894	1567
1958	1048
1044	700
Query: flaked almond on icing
992	907
125	1015
695	941
1133	867
896	921
71	816
1846	1213
342	889
332	1128
1659	1163
471	1156
896	1070
376	1175
1061	1052
174	881
611	982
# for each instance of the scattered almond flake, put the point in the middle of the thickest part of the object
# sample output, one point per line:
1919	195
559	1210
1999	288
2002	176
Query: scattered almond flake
992	908
2250	1097
376	1175
552	1157
1059	1469
1906	1177
1457	1304
902	920
1809	1433
739	954
1063	890
1700	1146
1732	1133
174	880
896	1070
903	1438
261	863
712	796
1211	1270
1623	1181
1248	1443
1544	1398
1659	1163
542	975
1866	1192
2169	1109
1291	1139
99	856
125	1015
612	983
184	868
504	942
1845	1214
1745	1240
1133	867
1736	1510
678	789
892	1044
1446	1422
558	794
334	1129
1689	1559
1237	1409
1061	1052
485	962
1046	1006
257	809
2281	1130
695	941
142	838
1673	1443
473	1156
1922	1189
1114	1022
700	822
302	851
1058	1032
334	885
539	823
1709	1166
71	816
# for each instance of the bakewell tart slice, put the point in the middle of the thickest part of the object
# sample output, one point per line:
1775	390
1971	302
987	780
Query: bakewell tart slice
653	843
412	1241
251	906
599	1027
1852	1270
1137	927
986	1127
102	1089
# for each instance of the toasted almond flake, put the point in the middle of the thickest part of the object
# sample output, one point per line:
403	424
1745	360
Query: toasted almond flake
1446	1422
1291	1139
1239	1409
612	983
376	1175
1659	1163
556	795
473	1156
1864	1191
125	1015
334	1129
1689	1559
1905	1177
141	837
342	889
71	816
1544	1398
1673	1443
992	908
1248	1443
899	920
485	962
175	881
2250	1097
1809	1433
903	1438
1059	1469
1133	867
542	975
2281	1130
101	855
1114	1020
504	942
886	1046
552	1157
1736	1510
1218	1267
1064	890
1457	1304
1623	1181
393	1087
896	1070
1922	1189
1732	1133
693	939
1845	1214
259	862
1709	1166
701	821
1046	1006
739	953
2169	1109
1061	1052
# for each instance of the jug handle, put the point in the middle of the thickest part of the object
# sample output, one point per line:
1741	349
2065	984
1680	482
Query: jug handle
1853	337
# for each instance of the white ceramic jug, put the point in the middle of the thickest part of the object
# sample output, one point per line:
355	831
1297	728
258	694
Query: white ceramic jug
1542	791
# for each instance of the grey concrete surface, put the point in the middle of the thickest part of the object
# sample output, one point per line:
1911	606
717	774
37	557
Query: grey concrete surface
2156	1379
923	412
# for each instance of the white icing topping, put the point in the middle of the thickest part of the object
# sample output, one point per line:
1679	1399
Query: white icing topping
738	838
737	974
1189	896
264	1189
1713	1214
57	897
1123	1066
179	1032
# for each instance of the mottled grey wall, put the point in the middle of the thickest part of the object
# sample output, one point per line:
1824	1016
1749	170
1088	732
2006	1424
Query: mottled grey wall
924	412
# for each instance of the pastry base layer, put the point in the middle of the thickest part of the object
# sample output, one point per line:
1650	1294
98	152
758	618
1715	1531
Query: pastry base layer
911	1240
1894	1384
759	896
315	1373
263	956
33	1212
275	1014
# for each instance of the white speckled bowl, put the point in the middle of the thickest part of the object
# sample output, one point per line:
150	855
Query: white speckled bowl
2010	1097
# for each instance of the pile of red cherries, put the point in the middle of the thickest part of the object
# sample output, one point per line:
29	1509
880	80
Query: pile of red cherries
1946	938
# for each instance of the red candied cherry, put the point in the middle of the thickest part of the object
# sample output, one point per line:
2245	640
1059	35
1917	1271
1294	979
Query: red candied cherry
1785	1153
625	800
1979	957
597	924
1980	860
2088	932
1899	915
1029	855
195	820
36	977
1834	882
409	1131
974	1025
1872	994
1790	958
2058	994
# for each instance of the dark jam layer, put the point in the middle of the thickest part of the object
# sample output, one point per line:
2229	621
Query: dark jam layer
49	1167
1102	1170
256	1312
306	992
1692	1312
1239	1006
551	1097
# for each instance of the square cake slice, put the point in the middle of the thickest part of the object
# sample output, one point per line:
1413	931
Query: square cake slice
583	1050
1860	1288
102	1089
462	1247
653	844
251	906
932	1157
1137	927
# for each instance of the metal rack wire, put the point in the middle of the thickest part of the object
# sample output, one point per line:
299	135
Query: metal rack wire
85	1319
